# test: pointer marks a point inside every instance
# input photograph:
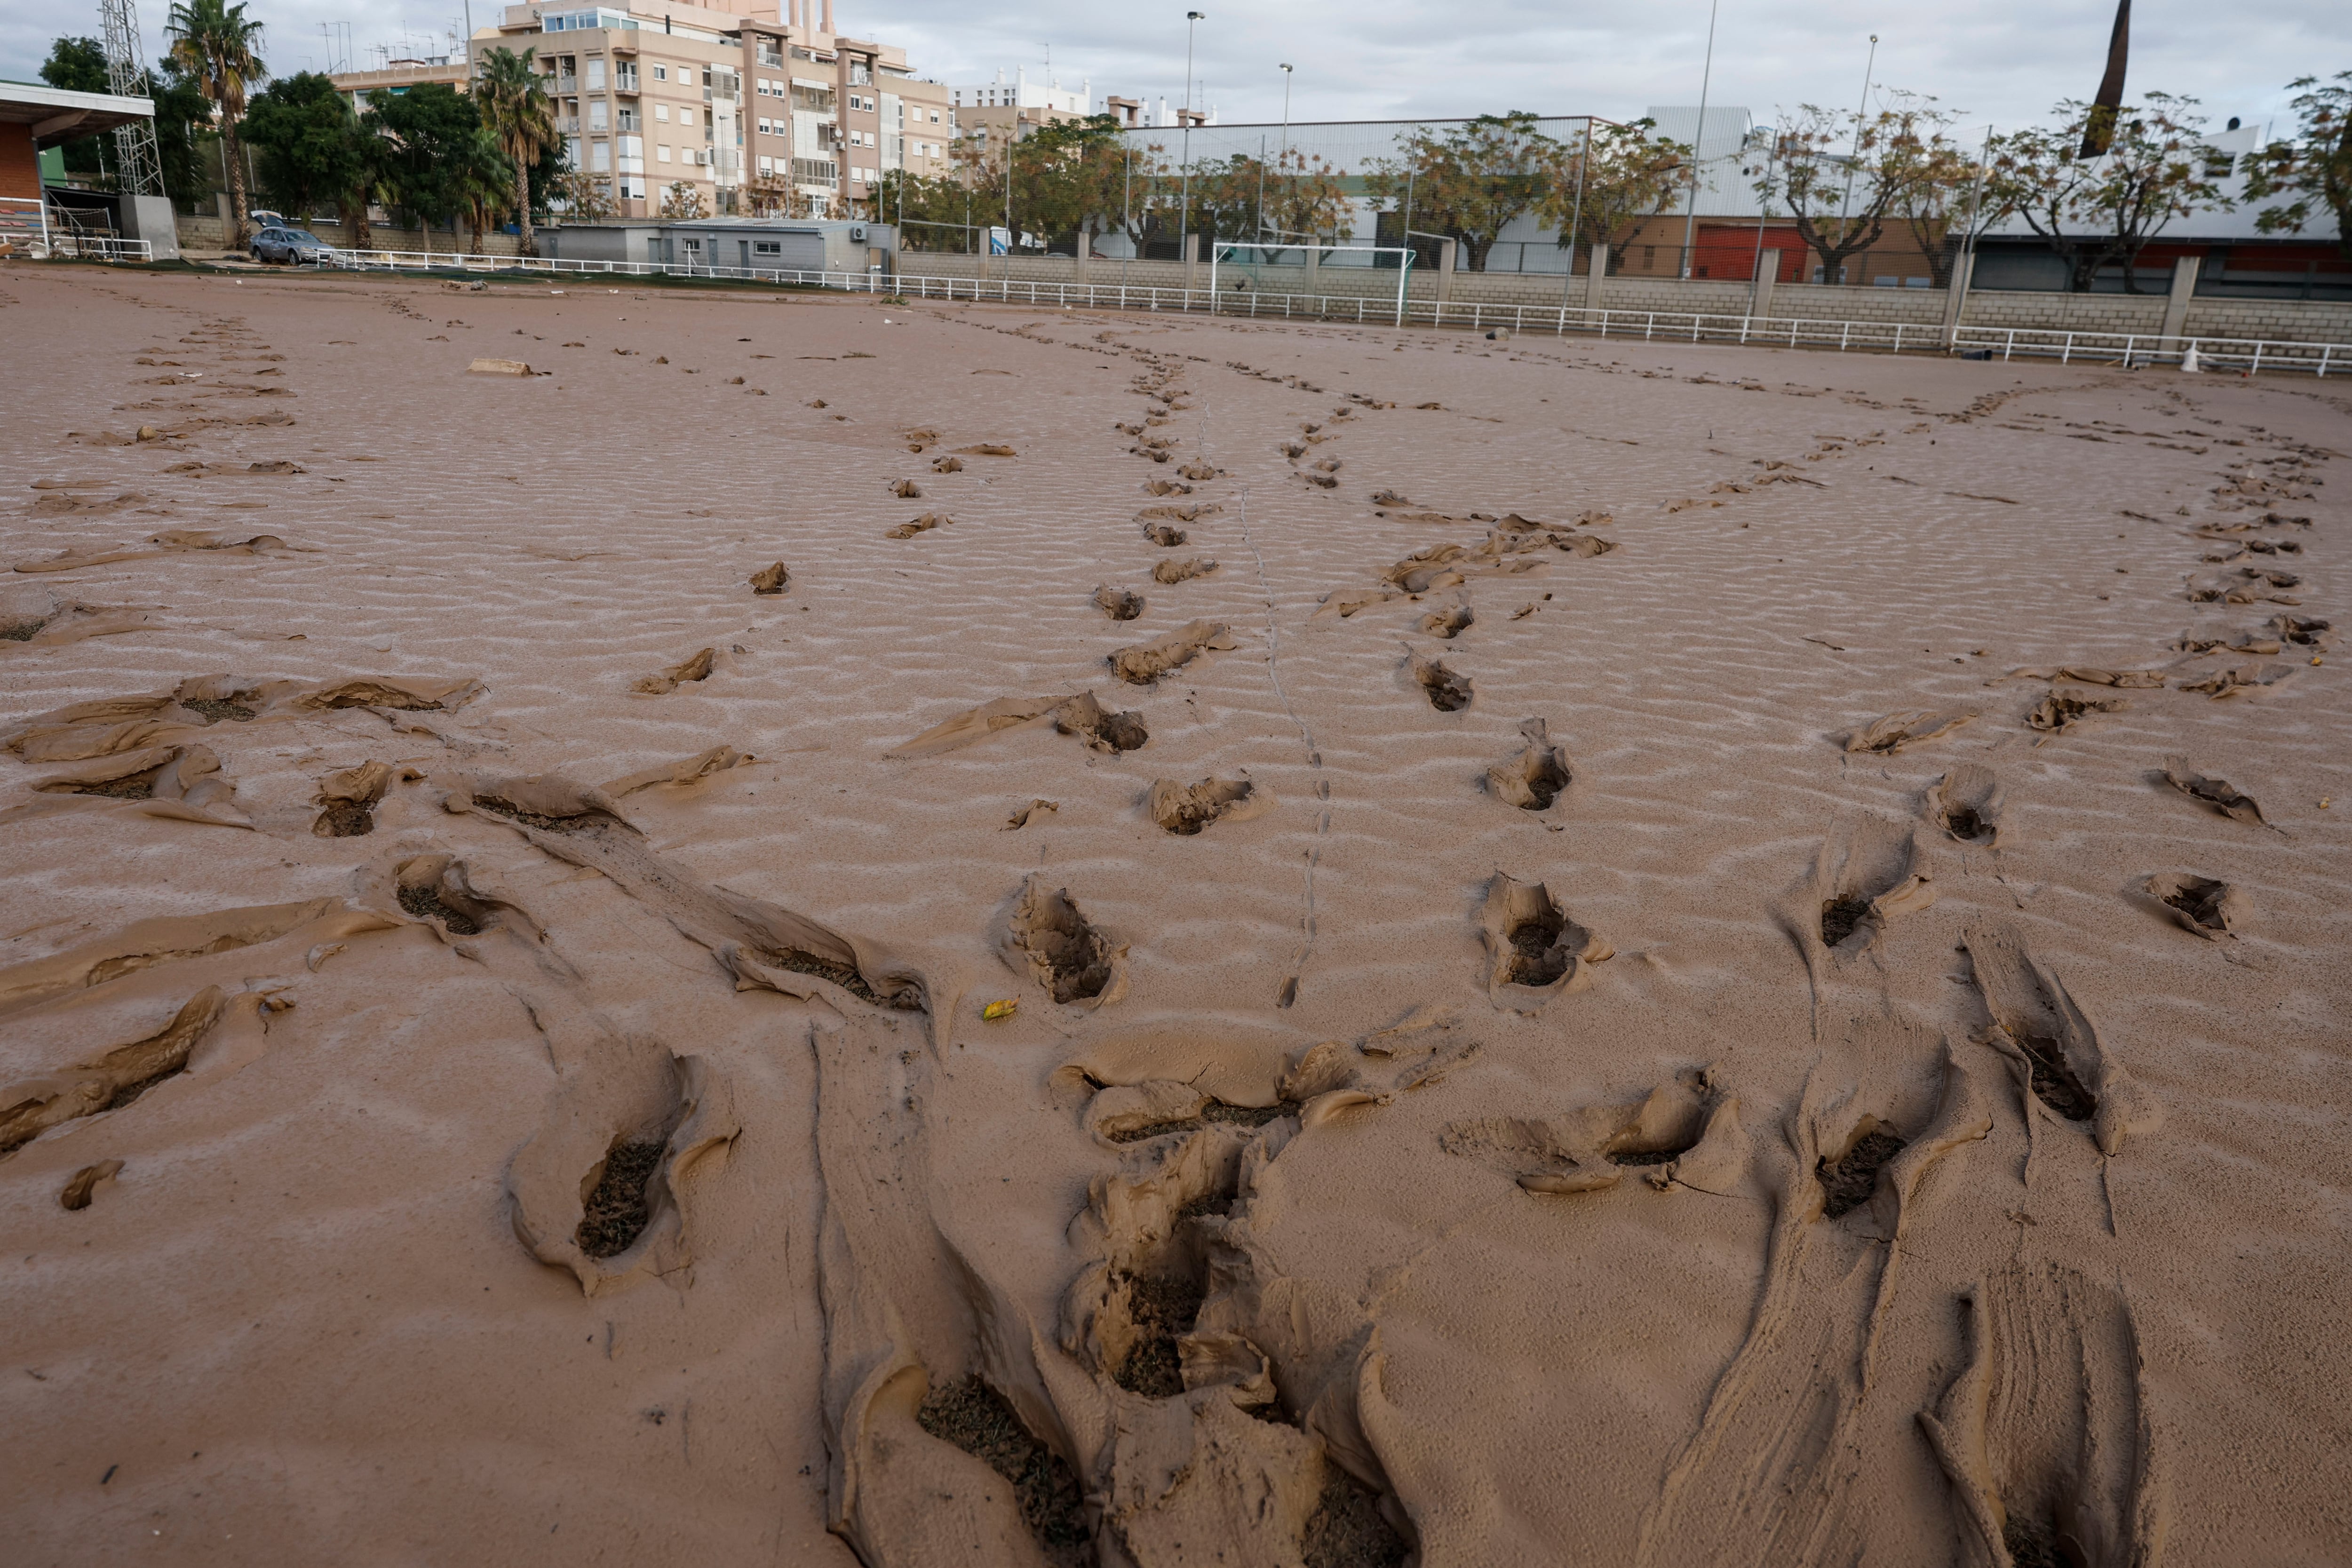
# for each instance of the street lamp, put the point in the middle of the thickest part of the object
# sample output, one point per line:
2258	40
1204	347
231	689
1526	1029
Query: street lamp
1282	157
1184	155
1287	73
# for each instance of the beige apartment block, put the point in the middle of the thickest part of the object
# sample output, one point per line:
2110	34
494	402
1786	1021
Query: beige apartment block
754	107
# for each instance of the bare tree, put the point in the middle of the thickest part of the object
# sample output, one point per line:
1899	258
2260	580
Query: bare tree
1844	176
2314	168
2102	211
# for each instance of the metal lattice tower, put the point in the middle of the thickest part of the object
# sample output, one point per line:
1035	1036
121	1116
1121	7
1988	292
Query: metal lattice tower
138	165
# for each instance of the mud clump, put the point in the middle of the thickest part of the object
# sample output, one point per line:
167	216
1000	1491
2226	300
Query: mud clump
216	709
140	785
1537	956
1840	917
1848	1181
2054	1083
1162	1308
1448	691
1075	956
615	1214
977	1419
427	904
345	819
1348	1529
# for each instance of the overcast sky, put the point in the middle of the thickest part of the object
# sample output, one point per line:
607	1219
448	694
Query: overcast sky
2002	60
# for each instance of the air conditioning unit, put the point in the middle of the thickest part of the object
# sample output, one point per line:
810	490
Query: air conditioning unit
857	234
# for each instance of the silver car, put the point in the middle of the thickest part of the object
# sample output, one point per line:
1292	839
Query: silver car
299	247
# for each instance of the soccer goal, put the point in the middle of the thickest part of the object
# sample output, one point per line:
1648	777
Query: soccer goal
1289	266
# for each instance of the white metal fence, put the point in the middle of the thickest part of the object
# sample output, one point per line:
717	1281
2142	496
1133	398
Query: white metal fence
66	244
2126	349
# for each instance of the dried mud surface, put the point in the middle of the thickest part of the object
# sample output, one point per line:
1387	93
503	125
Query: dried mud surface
549	1092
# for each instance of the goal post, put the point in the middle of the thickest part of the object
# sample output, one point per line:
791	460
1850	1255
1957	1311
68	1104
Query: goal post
1285	264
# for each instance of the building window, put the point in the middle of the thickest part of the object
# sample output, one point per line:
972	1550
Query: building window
595	74
686	117
600	156
663	155
661	73
767	248
598	108
661	112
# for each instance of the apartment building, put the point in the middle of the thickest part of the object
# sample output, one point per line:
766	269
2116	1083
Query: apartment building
739	105
990	112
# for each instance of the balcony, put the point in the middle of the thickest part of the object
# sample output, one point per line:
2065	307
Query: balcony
566	84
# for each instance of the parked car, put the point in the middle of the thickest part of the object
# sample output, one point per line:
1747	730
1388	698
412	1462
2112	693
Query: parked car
298	246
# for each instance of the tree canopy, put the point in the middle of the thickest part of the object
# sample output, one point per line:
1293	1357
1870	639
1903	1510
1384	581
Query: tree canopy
2103	210
1470	180
306	142
2313	168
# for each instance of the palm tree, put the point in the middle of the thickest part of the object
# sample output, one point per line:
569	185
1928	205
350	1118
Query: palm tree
481	181
517	111
215	43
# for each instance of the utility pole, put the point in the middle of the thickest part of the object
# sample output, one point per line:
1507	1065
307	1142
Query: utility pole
1184	220
1698	143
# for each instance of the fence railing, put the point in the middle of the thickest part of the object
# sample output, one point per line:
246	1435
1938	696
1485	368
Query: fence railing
2127	348
65	244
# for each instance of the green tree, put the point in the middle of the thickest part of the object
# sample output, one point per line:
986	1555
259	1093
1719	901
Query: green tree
1304	195
429	134
2103	210
682	201
1471	180
307	143
1601	196
182	116
481	181
2313	168
1844	178
1244	198
217	44
78	65
1935	183
519	115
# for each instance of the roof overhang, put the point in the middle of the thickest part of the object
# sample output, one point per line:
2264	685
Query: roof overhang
55	115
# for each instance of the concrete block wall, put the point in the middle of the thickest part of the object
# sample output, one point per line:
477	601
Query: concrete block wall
2282	321
208	233
2142	313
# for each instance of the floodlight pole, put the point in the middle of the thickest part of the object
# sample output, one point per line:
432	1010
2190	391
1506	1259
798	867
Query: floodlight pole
1772	156
1856	156
1184	218
1705	79
1576	221
1286	74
